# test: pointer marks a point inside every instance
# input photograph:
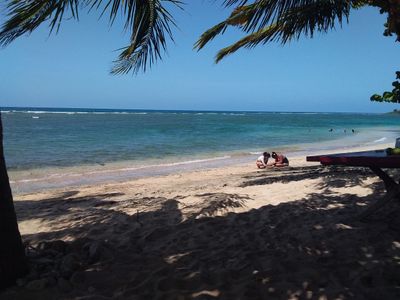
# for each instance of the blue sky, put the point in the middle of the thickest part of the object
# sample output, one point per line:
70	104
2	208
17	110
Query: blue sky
338	71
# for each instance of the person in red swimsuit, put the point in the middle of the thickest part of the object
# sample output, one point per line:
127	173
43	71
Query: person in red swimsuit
280	160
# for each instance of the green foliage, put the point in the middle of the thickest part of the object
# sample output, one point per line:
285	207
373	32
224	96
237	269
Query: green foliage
393	96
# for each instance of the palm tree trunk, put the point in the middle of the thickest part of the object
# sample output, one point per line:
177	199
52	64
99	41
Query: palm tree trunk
13	262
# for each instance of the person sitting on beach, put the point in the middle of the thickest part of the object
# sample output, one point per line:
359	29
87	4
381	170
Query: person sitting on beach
262	161
280	160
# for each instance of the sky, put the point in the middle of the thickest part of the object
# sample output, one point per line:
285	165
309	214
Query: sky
334	72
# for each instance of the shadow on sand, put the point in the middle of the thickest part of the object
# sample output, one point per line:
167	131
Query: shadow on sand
312	248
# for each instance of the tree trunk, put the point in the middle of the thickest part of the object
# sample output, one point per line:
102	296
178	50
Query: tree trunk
13	263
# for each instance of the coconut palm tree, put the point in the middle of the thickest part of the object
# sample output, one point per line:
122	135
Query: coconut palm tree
149	24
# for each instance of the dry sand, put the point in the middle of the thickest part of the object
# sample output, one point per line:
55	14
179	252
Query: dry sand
228	233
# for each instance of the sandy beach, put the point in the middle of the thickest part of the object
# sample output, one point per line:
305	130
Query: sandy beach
233	232
130	133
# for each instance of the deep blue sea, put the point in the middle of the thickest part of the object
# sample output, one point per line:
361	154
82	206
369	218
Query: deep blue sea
54	139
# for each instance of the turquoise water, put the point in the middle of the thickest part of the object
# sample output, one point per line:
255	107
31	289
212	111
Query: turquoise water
37	138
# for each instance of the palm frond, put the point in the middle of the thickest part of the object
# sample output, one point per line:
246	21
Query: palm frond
248	41
235	2
150	24
281	21
237	18
210	34
27	15
262	13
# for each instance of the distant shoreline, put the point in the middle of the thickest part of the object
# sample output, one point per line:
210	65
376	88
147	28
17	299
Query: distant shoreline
394	112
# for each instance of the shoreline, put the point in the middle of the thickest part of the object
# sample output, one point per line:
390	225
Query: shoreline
78	177
62	141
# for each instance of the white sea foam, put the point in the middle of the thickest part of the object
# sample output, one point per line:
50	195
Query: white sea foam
34	112
122	112
380	140
74	112
43	112
233	114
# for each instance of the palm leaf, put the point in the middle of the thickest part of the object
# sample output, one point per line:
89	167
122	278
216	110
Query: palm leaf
280	21
27	15
148	22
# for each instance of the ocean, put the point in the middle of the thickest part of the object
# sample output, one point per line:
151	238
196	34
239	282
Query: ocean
39	142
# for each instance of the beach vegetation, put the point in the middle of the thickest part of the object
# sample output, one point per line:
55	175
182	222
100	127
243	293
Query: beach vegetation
393	96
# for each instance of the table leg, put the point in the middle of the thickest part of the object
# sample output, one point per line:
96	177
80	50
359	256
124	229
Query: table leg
392	193
388	181
389	197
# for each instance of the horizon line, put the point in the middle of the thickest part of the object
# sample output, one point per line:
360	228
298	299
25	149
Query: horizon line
182	110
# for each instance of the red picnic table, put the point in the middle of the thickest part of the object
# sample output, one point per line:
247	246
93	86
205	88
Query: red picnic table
375	160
